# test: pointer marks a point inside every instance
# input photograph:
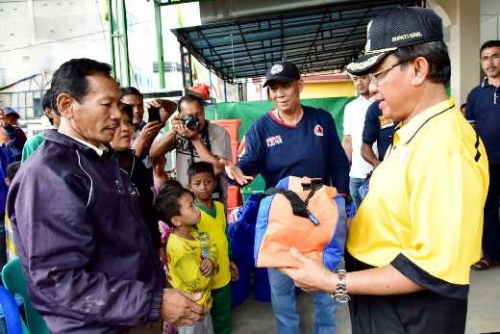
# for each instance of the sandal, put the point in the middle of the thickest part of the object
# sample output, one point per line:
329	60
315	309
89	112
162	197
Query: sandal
484	264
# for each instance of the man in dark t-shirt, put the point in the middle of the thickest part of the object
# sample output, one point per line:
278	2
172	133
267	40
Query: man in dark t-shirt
483	111
292	139
377	129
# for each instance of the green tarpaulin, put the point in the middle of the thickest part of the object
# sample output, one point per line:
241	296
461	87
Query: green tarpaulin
248	112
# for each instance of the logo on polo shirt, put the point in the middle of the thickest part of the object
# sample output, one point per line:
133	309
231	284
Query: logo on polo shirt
318	130
274	140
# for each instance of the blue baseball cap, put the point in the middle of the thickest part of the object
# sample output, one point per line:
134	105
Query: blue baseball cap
9	111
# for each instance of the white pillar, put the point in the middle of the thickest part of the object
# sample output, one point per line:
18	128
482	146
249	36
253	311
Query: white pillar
32	21
462	36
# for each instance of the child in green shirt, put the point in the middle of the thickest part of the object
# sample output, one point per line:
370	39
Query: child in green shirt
202	183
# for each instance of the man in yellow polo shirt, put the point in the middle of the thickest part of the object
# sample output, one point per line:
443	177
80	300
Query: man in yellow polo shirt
418	231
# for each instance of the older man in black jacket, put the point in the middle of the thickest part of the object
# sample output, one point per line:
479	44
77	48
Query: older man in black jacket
88	259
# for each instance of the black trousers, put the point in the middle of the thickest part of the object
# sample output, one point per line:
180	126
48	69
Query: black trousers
423	312
491	227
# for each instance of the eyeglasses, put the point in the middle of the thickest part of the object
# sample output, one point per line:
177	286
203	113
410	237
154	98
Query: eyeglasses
375	77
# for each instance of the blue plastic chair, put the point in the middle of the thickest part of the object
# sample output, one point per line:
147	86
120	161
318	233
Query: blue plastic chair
10	312
13	279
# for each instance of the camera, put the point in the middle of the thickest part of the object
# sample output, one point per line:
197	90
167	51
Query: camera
191	122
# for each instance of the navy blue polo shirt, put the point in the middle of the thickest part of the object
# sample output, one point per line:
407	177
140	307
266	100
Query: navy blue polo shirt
311	148
483	110
378	129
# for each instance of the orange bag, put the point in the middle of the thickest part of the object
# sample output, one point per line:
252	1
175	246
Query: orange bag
301	213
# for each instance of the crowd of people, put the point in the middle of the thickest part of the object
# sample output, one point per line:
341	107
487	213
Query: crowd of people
109	242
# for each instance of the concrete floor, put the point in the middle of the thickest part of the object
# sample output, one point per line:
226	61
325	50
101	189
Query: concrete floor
254	317
483	315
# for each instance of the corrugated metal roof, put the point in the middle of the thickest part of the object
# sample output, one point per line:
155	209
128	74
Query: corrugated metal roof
316	39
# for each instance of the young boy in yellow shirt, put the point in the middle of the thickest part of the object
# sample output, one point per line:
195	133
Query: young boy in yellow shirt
202	183
188	269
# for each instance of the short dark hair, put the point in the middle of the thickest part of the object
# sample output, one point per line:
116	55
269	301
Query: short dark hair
130	91
489	44
166	204
189	98
128	110
437	56
464	105
200	167
71	77
47	100
12	170
172	183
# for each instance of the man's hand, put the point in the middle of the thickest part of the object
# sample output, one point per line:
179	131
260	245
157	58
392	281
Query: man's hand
234	173
166	106
206	267
233	268
310	275
149	131
180	128
146	136
179	308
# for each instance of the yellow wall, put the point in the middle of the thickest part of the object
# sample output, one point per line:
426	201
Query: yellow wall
327	89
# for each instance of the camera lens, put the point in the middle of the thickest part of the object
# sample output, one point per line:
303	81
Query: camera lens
191	122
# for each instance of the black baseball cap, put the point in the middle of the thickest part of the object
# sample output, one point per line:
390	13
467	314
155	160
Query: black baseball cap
284	71
402	26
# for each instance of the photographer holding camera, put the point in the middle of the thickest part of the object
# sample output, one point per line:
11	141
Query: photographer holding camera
195	139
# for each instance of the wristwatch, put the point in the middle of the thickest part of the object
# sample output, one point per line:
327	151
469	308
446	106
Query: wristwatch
340	293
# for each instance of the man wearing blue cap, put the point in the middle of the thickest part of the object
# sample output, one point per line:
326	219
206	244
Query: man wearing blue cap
16	134
413	240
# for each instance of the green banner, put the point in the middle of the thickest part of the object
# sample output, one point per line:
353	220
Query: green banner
248	112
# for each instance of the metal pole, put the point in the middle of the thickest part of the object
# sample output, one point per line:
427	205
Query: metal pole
159	43
190	69
111	38
118	48
125	42
185	83
225	91
210	82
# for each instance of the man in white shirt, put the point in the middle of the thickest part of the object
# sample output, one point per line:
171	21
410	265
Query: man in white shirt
354	119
